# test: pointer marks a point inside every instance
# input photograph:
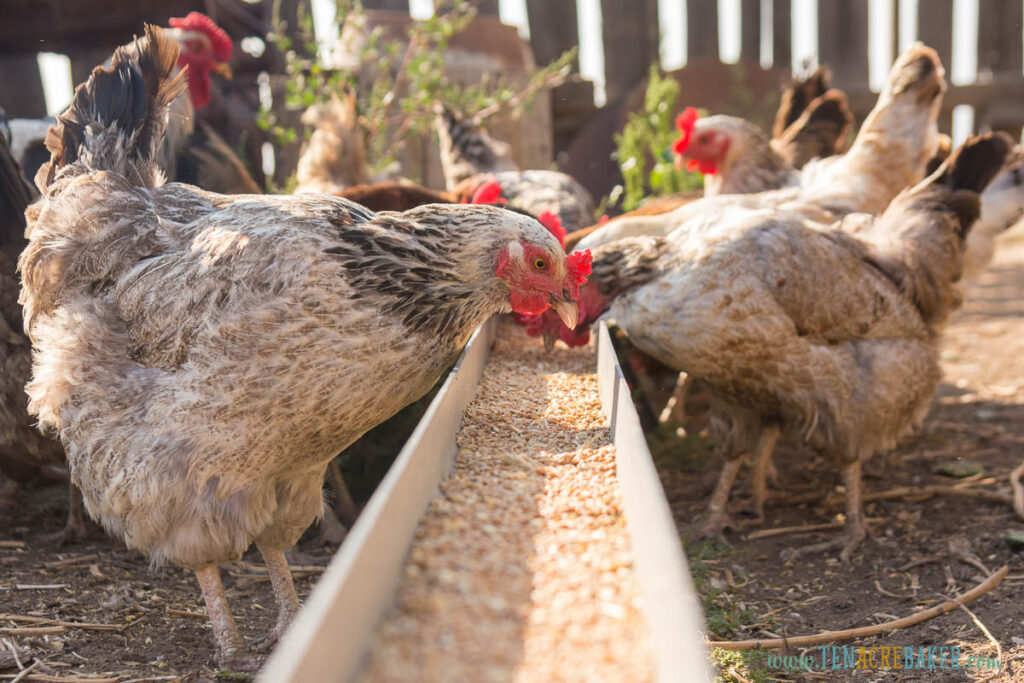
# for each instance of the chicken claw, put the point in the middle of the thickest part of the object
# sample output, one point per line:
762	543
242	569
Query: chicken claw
856	528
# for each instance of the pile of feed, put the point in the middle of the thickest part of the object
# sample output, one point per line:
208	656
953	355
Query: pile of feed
522	568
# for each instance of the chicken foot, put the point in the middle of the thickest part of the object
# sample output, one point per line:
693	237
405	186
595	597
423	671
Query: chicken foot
231	652
284	595
74	530
718	519
856	528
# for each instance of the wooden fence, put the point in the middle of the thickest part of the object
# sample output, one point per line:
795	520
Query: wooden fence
630	41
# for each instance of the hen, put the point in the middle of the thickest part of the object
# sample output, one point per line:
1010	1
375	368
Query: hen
471	158
890	152
22	448
192	151
817	332
737	157
334	157
203	356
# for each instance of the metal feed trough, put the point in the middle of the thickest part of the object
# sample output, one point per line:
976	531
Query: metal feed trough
332	635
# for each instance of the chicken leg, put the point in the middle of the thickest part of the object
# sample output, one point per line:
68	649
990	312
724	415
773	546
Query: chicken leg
718	519
231	652
74	529
284	595
763	468
856	527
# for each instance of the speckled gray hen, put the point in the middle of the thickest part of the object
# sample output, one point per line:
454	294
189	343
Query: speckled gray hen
203	356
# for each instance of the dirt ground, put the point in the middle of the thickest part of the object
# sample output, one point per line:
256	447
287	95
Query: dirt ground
920	550
163	632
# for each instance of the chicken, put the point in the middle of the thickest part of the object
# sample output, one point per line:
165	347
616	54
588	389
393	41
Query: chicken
23	449
736	156
1002	207
813	120
468	150
334	157
890	152
192	151
470	158
822	333
203	357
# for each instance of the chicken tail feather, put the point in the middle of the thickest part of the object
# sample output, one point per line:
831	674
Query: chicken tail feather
117	118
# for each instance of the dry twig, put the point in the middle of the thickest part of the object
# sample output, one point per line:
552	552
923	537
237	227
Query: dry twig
12	545
70	561
865	631
85	626
33	631
25	672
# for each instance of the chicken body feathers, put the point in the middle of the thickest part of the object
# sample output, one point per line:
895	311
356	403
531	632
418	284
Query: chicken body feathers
204	356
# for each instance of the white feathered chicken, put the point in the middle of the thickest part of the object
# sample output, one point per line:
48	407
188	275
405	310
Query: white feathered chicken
471	159
204	356
797	328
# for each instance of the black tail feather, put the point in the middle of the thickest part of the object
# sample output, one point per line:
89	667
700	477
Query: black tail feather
129	99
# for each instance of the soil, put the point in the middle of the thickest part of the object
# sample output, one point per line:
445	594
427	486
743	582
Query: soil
920	551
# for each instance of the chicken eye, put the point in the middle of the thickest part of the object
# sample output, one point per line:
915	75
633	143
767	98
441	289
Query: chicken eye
539	263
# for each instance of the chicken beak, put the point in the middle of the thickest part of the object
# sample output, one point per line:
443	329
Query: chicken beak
567	311
223	70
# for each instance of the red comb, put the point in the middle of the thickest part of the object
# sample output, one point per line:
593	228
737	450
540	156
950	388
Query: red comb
685	123
197	21
488	193
603	219
554	225
577	266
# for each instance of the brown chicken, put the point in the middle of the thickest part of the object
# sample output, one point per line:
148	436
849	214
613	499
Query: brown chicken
204	357
823	333
334	157
23	449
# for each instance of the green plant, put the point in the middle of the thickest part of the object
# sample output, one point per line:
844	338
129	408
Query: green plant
724	613
644	148
397	82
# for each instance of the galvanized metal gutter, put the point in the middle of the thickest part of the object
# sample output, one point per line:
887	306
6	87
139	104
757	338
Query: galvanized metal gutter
332	635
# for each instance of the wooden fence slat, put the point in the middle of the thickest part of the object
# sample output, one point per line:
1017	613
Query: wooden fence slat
553	28
630	34
999	52
999	36
701	29
782	34
935	28
392	5
843	40
22	93
750	30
